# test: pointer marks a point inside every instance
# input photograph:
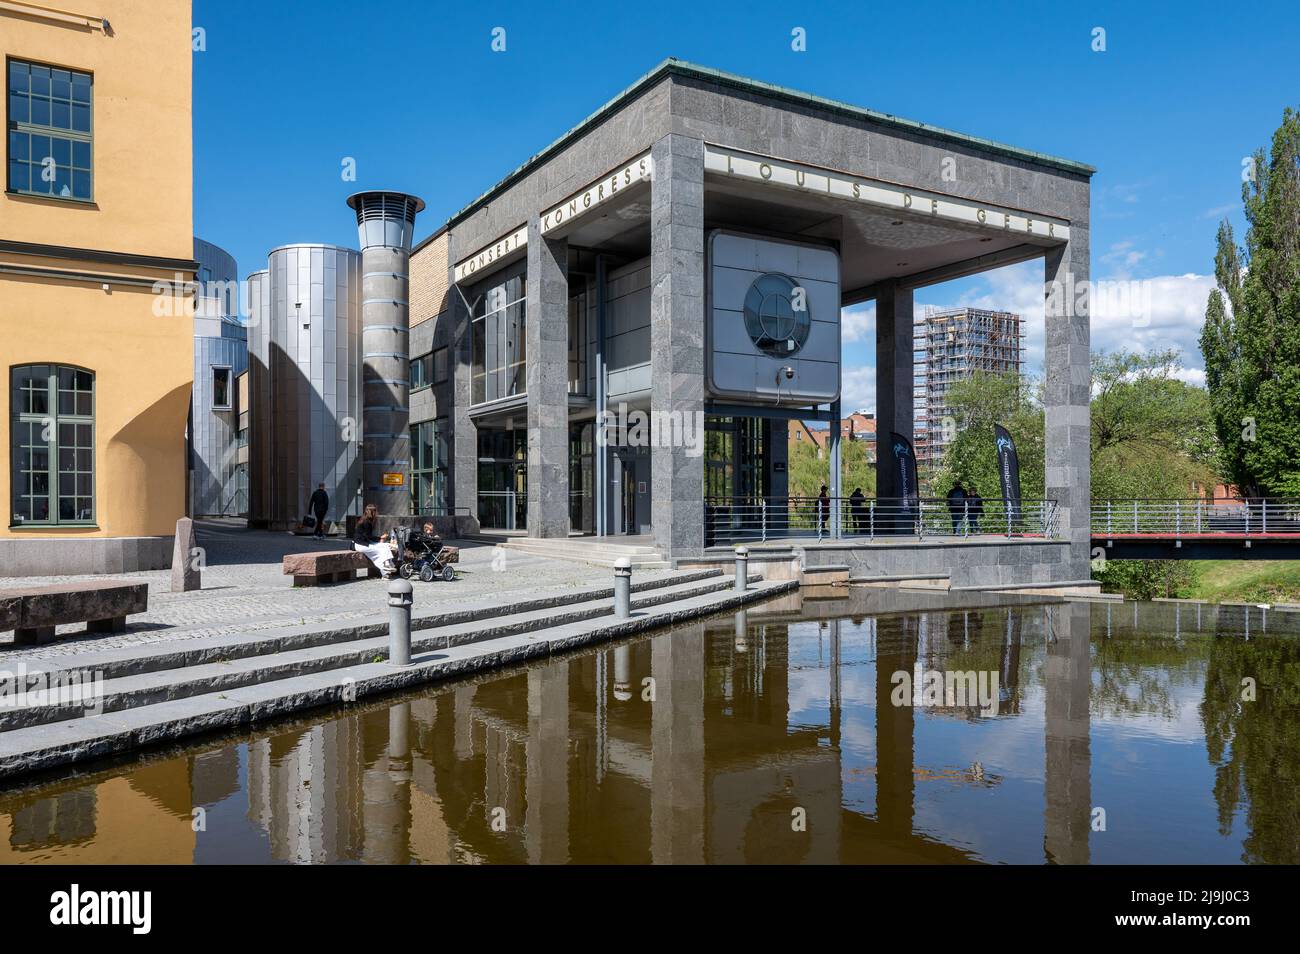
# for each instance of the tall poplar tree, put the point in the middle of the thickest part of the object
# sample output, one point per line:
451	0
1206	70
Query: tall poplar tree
1251	336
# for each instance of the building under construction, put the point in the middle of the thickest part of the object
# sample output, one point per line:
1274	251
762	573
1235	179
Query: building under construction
950	346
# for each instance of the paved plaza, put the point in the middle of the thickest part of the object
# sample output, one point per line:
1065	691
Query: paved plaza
244	590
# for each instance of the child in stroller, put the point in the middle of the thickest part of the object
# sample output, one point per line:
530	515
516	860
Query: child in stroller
423	555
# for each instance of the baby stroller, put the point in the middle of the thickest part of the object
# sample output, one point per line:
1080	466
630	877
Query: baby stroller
424	557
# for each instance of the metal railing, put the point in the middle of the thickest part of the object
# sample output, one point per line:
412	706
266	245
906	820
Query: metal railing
1192	516
732	520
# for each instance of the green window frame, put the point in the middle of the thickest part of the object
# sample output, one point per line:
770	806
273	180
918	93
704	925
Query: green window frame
429	468
50	125
421	374
52	445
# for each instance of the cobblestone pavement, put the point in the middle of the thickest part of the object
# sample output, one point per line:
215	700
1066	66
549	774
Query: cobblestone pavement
245	591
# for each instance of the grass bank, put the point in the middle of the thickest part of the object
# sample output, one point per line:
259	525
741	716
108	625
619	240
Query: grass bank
1245	581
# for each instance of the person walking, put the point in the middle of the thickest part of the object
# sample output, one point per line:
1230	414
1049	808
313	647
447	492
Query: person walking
318	506
823	508
857	504
957	506
974	509
377	548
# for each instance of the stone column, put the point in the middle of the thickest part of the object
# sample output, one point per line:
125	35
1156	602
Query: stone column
1067	782
893	379
548	384
1067	448
677	340
464	435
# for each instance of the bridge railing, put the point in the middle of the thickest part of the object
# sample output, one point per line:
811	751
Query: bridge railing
731	520
1193	516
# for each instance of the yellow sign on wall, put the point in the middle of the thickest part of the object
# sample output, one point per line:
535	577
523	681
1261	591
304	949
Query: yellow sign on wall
394	480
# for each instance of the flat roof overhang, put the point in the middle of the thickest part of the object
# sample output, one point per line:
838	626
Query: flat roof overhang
777	94
877	244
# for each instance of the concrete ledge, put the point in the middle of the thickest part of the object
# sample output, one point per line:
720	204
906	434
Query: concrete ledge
23	555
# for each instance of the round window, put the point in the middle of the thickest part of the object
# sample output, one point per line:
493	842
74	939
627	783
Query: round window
776	315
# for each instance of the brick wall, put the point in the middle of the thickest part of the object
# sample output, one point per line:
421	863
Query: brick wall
429	280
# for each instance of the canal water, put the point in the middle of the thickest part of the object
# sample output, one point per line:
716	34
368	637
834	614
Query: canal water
885	726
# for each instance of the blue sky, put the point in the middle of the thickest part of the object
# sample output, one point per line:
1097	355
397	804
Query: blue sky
284	92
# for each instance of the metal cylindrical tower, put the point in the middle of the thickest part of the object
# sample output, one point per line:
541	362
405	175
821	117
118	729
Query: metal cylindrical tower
304	352
385	223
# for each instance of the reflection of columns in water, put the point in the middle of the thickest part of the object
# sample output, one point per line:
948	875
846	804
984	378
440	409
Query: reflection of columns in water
547	779
1009	676
305	791
896	651
463	706
623	673
835	684
1067	785
677	755
387	786
742	631
602	717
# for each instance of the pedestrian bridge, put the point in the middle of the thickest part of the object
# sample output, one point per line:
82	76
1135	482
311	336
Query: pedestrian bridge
1197	529
1124	529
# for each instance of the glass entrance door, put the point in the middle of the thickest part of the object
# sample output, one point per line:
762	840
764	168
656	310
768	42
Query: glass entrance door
502	478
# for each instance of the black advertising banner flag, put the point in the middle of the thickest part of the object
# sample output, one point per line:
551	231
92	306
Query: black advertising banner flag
905	461
1008	472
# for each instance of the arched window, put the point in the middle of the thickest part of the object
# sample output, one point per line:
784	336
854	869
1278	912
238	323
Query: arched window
52	445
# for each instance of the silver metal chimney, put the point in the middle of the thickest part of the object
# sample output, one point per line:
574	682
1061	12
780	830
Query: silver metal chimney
385	222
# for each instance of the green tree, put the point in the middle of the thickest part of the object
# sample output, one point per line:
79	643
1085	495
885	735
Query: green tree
1151	437
976	404
808	471
1251	336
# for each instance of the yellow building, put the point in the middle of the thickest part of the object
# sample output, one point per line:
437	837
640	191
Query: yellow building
96	257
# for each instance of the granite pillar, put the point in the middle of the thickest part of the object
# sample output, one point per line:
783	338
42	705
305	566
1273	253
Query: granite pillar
548	384
677	342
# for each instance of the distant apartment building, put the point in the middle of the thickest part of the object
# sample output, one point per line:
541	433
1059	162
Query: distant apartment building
951	345
858	426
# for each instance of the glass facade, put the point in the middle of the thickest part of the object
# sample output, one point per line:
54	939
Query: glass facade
429	468
52	444
500	352
579	332
50	131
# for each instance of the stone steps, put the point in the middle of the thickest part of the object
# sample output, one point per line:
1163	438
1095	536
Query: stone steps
150	657
223	696
164	685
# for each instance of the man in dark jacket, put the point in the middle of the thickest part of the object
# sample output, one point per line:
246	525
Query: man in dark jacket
974	509
318	506
857	507
957	506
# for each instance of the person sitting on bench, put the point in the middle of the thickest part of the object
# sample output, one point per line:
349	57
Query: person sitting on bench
377	549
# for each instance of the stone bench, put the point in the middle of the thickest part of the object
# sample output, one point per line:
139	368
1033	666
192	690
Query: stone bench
103	605
330	566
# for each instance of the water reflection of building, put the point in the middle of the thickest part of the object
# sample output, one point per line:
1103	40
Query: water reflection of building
144	817
304	790
707	744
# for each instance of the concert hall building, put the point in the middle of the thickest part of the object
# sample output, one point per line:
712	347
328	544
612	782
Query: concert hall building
675	266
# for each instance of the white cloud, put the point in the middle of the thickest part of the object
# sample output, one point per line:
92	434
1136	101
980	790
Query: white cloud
1150	314
858	323
858	388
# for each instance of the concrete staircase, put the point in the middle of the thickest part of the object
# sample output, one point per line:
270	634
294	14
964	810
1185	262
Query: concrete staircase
160	692
597	551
